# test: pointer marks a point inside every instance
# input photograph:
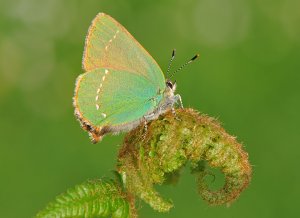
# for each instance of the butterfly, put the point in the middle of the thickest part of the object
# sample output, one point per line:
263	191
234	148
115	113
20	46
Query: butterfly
122	86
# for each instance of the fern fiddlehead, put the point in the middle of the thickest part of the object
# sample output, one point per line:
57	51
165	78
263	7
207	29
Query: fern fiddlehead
155	157
167	146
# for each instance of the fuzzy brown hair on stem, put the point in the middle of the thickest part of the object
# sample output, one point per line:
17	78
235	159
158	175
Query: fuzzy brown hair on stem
148	158
154	157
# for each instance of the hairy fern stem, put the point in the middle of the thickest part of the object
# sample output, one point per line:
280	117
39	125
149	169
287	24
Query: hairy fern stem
155	157
170	142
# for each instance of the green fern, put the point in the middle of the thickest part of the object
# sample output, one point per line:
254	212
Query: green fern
95	198
169	143
156	157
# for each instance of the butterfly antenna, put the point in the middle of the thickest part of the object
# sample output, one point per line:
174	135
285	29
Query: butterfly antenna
172	58
190	61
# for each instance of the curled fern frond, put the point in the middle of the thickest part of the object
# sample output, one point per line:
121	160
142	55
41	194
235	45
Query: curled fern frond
148	158
94	198
156	157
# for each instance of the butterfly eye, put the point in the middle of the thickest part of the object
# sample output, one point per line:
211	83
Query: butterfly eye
169	84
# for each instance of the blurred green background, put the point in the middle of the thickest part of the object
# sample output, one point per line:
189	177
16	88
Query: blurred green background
248	77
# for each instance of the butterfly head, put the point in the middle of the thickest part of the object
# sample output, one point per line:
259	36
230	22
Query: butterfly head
171	86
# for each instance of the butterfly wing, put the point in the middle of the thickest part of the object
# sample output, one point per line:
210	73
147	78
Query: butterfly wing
109	45
108	100
120	81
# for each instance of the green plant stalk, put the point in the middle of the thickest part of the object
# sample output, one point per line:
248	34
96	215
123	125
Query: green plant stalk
150	157
94	198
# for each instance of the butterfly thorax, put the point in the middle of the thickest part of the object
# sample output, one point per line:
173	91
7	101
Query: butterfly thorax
166	103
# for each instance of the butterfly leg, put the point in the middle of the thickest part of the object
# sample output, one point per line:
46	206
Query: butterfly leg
174	112
145	126
146	119
178	100
145	129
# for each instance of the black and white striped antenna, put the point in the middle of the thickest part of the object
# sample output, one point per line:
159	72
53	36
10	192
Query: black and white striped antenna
172	58
180	68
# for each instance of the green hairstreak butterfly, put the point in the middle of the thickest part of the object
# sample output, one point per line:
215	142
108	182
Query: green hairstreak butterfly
122	85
